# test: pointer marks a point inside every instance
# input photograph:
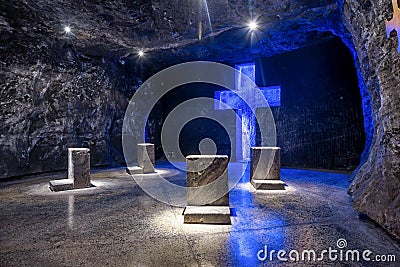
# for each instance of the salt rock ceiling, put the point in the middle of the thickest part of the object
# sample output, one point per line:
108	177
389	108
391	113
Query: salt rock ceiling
170	27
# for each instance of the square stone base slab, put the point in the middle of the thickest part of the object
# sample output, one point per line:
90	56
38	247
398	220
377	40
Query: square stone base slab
134	170
207	214
138	170
61	185
268	184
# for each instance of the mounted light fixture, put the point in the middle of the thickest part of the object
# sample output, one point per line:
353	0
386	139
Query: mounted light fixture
67	29
252	25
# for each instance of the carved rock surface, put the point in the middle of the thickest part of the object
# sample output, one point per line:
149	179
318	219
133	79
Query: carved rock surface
207	180
376	185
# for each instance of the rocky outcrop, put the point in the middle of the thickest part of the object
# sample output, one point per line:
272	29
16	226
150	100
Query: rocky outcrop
376	185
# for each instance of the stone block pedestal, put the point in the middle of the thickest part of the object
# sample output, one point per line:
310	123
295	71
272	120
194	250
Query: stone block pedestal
78	171
79	167
146	159
207	189
265	168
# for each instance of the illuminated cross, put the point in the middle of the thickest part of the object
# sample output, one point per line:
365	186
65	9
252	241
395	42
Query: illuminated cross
394	23
246	127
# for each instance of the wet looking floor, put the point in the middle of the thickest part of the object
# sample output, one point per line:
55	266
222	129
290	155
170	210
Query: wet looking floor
115	223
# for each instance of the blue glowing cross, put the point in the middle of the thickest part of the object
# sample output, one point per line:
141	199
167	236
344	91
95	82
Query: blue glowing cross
246	127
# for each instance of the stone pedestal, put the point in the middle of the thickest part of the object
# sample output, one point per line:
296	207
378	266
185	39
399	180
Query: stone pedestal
265	168
79	167
146	157
207	189
146	160
78	171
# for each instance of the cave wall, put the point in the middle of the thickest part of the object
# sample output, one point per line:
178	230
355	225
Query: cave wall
376	185
50	106
56	95
319	123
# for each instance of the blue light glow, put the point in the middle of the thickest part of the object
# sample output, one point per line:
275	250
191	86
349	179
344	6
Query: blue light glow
249	70
245	242
273	95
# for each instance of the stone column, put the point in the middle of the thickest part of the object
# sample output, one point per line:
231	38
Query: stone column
146	159
265	168
79	167
207	189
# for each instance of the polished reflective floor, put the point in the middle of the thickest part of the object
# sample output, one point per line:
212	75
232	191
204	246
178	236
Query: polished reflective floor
115	223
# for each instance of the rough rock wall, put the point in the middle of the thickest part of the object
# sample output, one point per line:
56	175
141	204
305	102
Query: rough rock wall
55	95
376	186
48	107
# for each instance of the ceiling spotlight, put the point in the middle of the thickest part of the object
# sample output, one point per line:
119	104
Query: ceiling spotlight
140	53
67	29
252	25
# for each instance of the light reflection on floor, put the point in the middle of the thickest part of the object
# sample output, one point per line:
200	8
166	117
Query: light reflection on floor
116	224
